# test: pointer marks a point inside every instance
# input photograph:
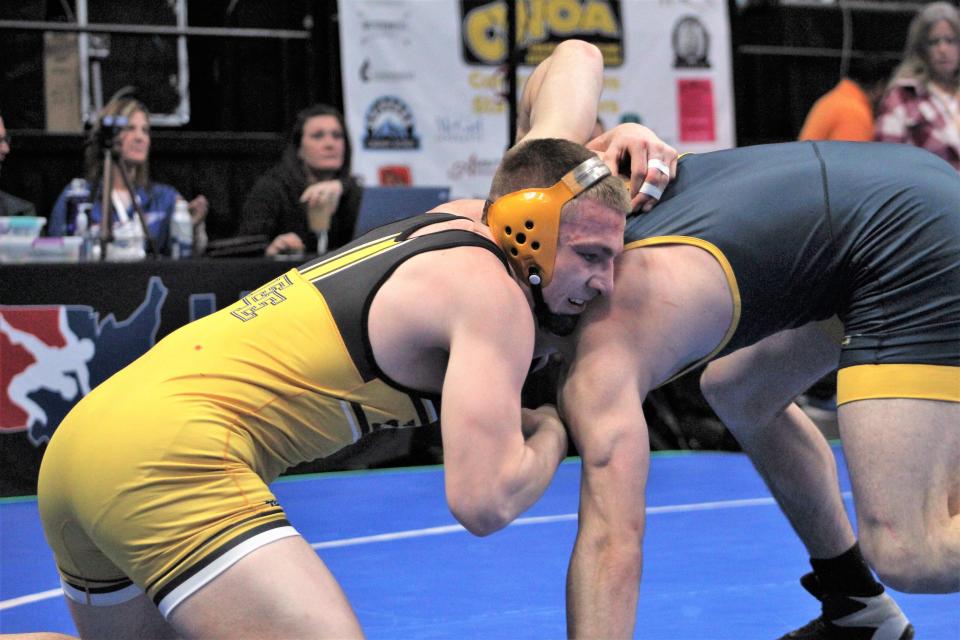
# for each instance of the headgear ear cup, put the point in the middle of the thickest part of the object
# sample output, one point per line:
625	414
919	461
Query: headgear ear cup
526	223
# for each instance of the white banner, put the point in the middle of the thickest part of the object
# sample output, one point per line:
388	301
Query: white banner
423	79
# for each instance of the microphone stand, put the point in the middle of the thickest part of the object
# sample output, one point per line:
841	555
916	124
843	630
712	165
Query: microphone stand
112	157
106	206
511	72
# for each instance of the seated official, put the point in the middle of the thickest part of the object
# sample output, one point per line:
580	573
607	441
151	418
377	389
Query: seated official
157	200
308	202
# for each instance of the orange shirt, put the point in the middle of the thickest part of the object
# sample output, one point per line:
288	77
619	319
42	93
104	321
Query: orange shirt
843	113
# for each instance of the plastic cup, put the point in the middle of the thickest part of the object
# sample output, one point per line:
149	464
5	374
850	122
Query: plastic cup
318	218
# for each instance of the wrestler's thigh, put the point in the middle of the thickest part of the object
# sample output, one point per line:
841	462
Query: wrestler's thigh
281	590
136	618
903	456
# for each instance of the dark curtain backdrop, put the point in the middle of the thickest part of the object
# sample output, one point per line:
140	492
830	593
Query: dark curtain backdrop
245	92
782	58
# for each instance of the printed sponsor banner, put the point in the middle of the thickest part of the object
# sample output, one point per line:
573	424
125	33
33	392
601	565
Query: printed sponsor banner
424	79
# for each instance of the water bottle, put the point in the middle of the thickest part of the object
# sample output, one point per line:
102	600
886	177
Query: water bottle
81	228
181	232
78	193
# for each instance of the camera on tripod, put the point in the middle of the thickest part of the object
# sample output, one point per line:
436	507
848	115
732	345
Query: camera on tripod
110	127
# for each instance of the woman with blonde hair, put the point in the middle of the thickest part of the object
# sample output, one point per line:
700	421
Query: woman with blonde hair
124	123
922	103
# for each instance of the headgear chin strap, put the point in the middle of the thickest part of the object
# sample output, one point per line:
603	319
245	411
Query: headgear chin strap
560	324
526	223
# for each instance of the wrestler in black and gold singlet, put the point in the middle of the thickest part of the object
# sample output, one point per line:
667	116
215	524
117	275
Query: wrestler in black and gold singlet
157	480
866	231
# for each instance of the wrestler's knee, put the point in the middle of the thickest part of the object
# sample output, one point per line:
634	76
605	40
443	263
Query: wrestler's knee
893	561
715	388
735	401
912	561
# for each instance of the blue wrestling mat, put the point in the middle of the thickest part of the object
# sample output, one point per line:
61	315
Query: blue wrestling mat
721	560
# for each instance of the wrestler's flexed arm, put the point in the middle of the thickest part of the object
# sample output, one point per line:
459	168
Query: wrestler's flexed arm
498	460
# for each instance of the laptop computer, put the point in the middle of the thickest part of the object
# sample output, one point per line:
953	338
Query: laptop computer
382	205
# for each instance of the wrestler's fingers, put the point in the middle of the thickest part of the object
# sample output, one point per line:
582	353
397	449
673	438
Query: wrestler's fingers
607	151
611	158
659	165
656	178
633	164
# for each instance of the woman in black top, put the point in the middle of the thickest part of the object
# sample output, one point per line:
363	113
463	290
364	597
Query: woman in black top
308	202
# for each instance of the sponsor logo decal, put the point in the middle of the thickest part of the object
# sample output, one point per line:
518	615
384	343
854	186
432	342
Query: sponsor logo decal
370	72
390	125
473	167
395	175
696	112
384	21
458	129
691	44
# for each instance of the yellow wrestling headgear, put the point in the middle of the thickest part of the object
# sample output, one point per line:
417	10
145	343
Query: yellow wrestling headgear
526	223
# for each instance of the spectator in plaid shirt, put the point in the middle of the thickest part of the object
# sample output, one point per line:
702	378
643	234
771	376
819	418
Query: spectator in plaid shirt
922	103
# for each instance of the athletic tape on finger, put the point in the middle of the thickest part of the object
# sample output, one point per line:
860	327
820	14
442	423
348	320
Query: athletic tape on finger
659	165
651	190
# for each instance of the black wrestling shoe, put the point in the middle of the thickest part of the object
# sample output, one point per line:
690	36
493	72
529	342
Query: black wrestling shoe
852	617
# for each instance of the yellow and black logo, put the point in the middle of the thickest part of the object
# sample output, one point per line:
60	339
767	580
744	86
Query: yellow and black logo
541	25
269	296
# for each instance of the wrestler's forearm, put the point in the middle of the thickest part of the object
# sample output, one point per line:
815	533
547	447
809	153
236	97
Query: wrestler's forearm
603	581
561	96
491	480
603	584
543	450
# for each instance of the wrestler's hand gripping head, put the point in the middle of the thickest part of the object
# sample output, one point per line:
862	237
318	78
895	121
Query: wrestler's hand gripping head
526	225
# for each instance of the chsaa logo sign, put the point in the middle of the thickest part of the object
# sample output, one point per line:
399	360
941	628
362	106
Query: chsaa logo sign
542	24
